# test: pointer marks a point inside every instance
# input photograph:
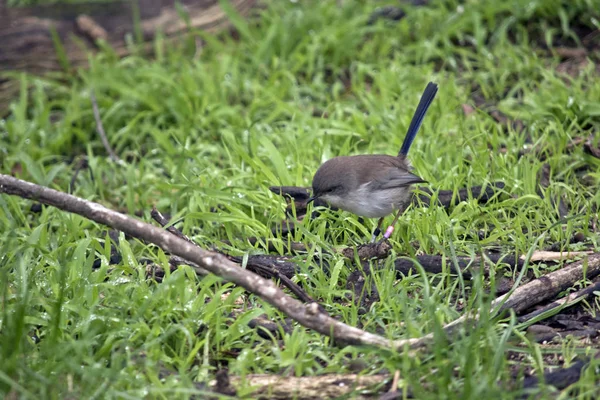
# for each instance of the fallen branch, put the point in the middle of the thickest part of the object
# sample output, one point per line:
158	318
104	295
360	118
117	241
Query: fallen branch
467	266
434	264
550	285
568	301
531	293
268	329
556	255
308	315
312	387
81	164
560	378
264	269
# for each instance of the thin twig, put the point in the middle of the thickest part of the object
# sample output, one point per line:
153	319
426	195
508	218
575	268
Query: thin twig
100	128
176	261
395	381
81	164
158	217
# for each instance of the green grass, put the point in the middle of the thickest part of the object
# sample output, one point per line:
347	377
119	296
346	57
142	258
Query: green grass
205	132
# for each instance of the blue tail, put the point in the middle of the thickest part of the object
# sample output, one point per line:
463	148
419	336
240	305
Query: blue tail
417	120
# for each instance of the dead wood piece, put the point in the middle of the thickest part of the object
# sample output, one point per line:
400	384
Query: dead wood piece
542	333
467	266
556	255
268	329
549	285
434	264
578	237
574	66
590	149
570	52
115	254
312	387
285	227
175	261
163	221
91	28
368	251
81	164
580	333
278	268
390	13
529	294
308	315
572	322
115	258
222	385
565	302
447	199
27	43
265	265
270	264
155	272
560	378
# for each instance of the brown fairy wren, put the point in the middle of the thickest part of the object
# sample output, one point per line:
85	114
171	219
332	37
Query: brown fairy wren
373	185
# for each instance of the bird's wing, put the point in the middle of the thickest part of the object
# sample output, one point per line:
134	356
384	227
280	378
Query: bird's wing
395	178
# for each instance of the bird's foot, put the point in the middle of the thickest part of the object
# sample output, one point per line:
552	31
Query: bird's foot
386	235
382	240
376	233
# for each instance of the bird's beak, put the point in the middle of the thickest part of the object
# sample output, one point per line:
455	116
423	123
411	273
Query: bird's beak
310	200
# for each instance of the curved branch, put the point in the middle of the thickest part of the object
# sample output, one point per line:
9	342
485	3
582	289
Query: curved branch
307	315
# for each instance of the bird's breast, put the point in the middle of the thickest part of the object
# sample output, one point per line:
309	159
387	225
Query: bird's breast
370	203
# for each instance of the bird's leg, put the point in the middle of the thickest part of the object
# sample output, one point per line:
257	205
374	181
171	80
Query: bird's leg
390	229
377	230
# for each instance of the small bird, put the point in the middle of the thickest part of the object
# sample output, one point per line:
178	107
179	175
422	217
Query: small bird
375	185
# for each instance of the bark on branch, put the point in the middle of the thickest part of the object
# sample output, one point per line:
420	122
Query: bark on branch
536	291
309	315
